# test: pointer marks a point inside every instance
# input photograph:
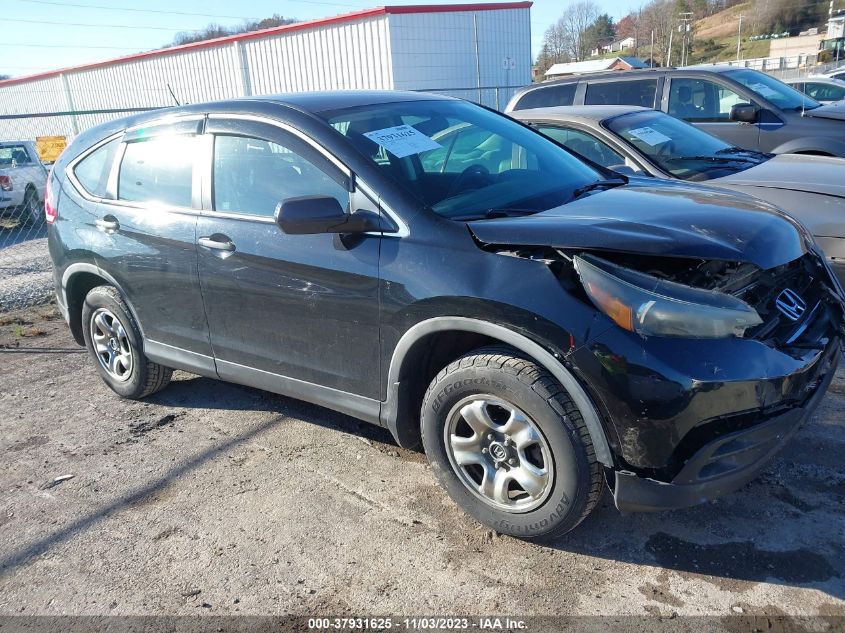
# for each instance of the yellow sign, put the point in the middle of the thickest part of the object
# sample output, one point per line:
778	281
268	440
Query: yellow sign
50	147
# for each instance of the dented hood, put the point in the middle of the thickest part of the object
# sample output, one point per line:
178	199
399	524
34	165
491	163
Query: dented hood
658	219
798	172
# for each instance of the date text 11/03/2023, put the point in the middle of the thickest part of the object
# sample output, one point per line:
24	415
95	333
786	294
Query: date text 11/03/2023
418	624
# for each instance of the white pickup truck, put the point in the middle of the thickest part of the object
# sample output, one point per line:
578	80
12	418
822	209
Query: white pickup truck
22	181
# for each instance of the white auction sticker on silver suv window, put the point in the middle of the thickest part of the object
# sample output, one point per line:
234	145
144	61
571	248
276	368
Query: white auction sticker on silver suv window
402	140
650	135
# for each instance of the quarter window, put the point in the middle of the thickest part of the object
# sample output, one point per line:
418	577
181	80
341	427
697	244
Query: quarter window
701	100
92	172
158	170
252	176
638	92
560	95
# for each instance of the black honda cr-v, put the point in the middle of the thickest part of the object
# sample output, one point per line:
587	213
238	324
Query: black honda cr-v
539	325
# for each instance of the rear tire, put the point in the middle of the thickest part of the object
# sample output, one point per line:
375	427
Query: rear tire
493	421
30	211
115	345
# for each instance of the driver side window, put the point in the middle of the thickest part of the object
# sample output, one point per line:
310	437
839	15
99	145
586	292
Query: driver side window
701	100
584	144
252	175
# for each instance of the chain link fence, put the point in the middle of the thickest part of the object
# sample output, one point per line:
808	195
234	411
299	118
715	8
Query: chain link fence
787	68
26	277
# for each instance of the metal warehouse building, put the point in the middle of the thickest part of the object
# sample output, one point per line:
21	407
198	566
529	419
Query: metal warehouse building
480	52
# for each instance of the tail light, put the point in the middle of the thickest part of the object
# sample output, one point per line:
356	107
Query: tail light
6	183
51	212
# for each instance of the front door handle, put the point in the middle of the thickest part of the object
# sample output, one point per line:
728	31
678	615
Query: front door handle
217	243
109	224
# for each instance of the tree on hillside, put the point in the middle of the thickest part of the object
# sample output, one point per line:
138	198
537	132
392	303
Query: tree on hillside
626	27
601	32
545	59
774	16
572	28
213	31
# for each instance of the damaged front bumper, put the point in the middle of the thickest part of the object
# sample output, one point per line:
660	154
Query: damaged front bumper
728	462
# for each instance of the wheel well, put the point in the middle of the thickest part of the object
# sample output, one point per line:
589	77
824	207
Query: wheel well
78	287
423	361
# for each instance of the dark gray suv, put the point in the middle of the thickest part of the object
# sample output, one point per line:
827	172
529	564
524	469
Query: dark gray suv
742	106
533	321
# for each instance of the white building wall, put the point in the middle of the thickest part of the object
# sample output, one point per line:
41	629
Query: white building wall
437	51
452	52
350	55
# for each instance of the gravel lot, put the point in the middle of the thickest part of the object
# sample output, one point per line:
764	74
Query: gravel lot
26	276
217	499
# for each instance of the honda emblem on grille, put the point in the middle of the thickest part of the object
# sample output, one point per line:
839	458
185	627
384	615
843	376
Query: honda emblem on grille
790	304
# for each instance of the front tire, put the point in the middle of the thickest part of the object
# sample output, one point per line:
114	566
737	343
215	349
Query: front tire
509	445
115	345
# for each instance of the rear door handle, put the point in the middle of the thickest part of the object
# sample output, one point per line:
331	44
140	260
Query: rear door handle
219	244
107	224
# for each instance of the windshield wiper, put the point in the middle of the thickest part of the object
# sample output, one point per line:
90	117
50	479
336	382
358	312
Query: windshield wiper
491	214
712	159
599	184
739	150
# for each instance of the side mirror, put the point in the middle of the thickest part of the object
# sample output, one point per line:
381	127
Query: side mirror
308	215
744	113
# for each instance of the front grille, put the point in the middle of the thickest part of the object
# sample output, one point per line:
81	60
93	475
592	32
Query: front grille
807	280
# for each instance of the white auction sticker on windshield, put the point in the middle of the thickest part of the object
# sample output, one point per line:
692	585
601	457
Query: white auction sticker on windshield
402	140
650	135
764	90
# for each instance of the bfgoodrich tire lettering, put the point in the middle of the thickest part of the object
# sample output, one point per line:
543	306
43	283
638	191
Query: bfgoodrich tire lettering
508	385
104	304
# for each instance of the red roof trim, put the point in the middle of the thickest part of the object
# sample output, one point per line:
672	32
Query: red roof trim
299	26
447	8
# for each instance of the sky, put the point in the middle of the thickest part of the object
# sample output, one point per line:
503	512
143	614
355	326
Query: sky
40	35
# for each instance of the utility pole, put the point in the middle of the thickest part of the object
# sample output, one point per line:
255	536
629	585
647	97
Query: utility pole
669	52
739	37
685	28
651	60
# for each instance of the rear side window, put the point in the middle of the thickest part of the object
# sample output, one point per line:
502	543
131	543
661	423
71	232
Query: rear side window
558	95
92	172
637	92
158	170
14	154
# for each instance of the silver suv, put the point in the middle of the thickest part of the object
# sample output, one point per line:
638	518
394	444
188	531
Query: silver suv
742	106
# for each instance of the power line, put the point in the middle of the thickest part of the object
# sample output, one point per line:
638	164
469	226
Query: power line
104	26
188	13
123	48
133	10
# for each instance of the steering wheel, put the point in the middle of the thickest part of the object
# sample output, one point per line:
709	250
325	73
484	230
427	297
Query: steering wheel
666	149
465	179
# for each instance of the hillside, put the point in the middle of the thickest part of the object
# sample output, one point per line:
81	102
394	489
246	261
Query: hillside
722	24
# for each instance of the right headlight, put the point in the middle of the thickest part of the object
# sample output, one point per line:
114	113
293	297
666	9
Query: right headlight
655	307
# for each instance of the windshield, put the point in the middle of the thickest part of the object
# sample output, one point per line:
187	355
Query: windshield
774	90
679	148
463	161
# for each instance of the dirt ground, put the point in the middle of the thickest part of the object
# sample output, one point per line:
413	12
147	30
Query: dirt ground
218	499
